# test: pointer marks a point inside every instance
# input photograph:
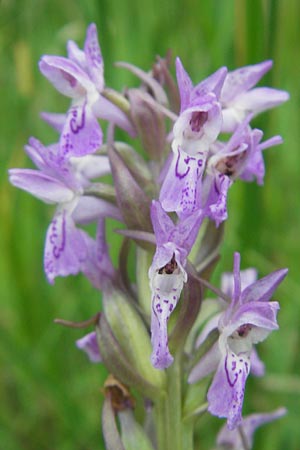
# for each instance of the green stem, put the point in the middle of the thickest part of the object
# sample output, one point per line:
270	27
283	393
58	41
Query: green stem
174	401
172	433
187	437
161	422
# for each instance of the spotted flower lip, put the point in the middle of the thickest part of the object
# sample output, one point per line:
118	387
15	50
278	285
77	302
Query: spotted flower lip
167	274
80	77
248	319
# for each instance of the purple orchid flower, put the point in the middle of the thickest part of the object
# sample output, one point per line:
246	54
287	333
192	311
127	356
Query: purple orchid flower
208	365
249	319
232	440
238	98
167	274
197	126
89	345
80	76
61	181
241	157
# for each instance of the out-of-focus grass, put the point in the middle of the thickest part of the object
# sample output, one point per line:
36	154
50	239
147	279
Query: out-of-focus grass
50	394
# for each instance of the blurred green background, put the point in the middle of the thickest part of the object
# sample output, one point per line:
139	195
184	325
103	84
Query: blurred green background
50	395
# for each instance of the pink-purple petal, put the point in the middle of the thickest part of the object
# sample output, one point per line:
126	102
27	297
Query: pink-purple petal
261	99
94	57
207	364
42	186
89	345
97	265
104	109
232	439
264	288
65	75
216	203
243	79
257	365
91	209
185	85
55	120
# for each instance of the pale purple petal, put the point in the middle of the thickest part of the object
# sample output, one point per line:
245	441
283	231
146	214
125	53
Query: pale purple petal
216	203
248	276
231	119
243	79
104	109
257	365
264	288
162	223
51	161
187	229
213	83
207	364
211	325
94	57
231	439
65	75
226	393
81	134
76	54
259	314
260	99
97	266
44	187
64	248
89	345
90	209
55	120
91	166
185	85
255	168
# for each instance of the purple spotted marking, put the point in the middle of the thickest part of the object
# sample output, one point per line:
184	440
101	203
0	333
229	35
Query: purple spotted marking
177	173
93	48
58	249
77	121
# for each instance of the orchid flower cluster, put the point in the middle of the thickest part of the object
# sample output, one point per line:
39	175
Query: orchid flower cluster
157	332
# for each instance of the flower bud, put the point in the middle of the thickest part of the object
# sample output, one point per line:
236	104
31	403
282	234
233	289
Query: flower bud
133	435
149	122
132	200
132	341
